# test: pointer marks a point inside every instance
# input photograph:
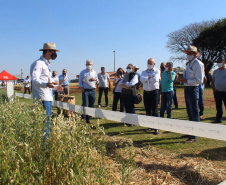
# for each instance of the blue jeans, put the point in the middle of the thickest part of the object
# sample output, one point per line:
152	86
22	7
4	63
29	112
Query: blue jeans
166	103
129	104
175	97
88	99
117	97
48	108
220	97
201	103
151	99
191	99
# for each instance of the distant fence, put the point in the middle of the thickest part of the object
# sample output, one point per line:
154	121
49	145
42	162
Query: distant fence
208	130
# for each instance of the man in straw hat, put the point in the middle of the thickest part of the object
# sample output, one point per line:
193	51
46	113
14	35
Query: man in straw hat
193	75
41	80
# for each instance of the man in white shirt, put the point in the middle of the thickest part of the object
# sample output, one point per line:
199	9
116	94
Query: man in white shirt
87	83
193	75
104	85
55	81
26	85
150	79
41	80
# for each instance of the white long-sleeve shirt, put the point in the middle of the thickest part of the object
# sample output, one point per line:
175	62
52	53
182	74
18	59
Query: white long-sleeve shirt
133	81
152	83
40	75
194	73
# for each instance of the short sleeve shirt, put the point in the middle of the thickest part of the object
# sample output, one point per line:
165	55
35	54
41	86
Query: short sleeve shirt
220	79
103	79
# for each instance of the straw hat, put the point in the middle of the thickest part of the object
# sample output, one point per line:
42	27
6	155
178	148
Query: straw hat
193	49
49	46
135	67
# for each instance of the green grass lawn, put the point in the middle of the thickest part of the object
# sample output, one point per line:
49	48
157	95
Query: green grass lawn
214	150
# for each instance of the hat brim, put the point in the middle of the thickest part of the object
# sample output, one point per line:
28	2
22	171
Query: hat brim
186	51
49	49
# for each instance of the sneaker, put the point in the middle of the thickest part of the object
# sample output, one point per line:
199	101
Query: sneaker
201	117
107	105
191	140
99	106
156	132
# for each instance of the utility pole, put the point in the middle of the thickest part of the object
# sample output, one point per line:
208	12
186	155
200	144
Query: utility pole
21	74
114	60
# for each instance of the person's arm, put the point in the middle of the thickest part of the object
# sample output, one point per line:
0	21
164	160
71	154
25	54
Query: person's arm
212	85
155	78
171	77
60	81
57	82
81	82
133	81
144	77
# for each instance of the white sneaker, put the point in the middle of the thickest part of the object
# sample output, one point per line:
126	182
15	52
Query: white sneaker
99	106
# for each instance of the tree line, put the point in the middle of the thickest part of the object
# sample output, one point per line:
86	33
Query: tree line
208	36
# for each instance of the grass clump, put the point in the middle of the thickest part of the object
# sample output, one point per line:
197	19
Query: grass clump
74	155
3	96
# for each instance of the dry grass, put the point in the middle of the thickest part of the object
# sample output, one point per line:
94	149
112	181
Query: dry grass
157	166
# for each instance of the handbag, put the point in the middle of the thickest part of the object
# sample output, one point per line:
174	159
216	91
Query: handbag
137	99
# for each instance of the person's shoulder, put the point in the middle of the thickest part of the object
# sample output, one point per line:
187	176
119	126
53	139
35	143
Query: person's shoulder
156	70
199	62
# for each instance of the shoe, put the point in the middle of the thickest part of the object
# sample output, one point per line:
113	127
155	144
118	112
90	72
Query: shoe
89	122
201	117
99	106
107	105
191	140
156	132
215	121
176	107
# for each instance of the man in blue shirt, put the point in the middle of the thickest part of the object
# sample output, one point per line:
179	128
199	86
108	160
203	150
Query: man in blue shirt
192	76
167	80
64	81
87	83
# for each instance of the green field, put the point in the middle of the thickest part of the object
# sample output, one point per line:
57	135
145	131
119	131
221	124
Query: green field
214	150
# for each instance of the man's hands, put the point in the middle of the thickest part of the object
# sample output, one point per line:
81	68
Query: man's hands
59	88
82	89
184	80
92	79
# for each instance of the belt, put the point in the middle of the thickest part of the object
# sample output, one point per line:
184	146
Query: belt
190	86
64	85
151	91
89	89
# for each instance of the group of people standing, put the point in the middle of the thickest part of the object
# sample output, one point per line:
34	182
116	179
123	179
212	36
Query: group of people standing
127	83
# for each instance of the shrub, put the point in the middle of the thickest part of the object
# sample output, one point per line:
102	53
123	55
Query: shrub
74	155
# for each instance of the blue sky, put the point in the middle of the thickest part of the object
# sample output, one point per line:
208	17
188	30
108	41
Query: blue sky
93	29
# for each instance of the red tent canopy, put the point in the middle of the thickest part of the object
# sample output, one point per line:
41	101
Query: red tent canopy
4	75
